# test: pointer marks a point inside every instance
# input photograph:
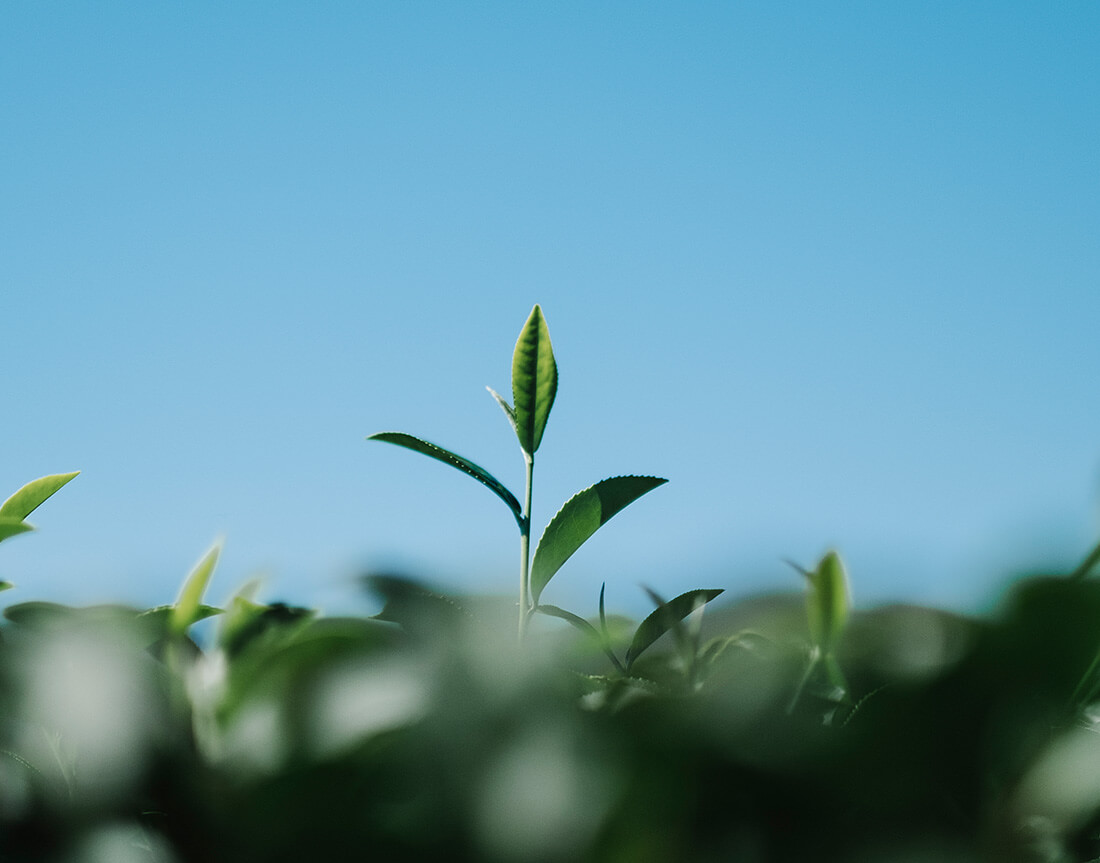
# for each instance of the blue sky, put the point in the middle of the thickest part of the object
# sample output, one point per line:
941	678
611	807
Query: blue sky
832	269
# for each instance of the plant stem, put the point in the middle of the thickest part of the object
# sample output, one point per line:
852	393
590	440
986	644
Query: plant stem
525	551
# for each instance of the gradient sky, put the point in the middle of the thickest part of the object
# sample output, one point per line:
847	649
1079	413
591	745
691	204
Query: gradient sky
832	269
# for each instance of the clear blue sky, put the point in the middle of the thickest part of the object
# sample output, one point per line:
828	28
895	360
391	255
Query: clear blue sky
832	269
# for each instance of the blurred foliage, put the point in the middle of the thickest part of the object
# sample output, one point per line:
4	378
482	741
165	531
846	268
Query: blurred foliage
777	728
429	732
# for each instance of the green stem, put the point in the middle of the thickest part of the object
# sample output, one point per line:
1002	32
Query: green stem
525	552
811	666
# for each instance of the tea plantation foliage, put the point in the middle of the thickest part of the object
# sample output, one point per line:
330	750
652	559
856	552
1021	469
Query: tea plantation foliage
430	733
775	728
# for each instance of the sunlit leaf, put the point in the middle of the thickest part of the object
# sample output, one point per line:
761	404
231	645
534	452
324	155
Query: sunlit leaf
664	618
187	608
456	461
580	517
33	494
534	381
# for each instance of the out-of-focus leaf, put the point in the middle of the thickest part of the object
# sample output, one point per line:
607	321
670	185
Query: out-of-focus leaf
456	461
827	602
664	618
534	381
36	612
419	610
33	494
246	622
186	610
580	517
13	526
6	585
160	617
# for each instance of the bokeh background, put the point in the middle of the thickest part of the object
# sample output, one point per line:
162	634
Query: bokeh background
833	269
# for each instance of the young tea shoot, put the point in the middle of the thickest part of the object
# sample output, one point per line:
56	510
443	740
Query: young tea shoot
534	388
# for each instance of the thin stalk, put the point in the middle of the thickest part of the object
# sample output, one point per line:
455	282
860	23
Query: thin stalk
811	666
525	551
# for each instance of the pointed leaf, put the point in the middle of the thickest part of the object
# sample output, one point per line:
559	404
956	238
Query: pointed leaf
603	615
6	585
666	617
12	526
534	381
187	608
577	621
504	406
580	517
29	497
585	627
456	461
827	602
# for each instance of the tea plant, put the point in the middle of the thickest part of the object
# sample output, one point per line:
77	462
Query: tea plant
534	388
14	511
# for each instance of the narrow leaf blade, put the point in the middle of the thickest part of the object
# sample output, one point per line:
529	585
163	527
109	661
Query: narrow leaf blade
534	381
187	609
33	494
665	617
577	621
456	461
580	517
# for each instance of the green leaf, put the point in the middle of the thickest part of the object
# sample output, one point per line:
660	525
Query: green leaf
827	602
504	406
585	627
35	612
582	515
603	616
456	461
13	526
6	585
420	610
33	494
577	621
161	615
666	617
187	609
534	381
